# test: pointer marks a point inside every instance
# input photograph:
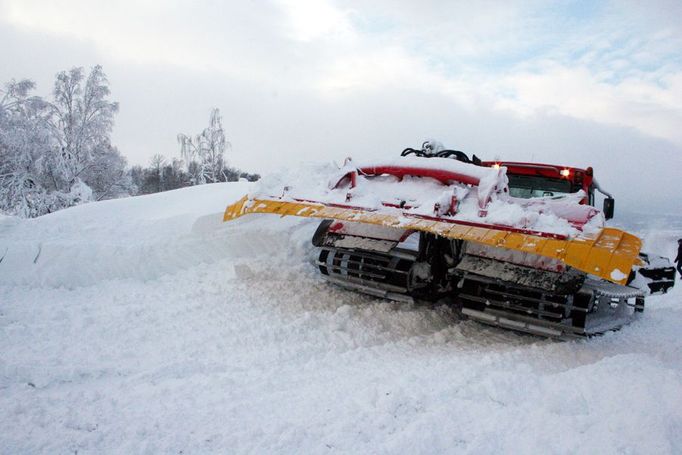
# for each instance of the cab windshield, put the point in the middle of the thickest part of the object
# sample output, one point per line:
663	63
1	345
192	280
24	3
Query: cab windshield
528	186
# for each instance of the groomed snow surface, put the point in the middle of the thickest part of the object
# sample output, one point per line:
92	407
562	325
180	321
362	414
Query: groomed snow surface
147	325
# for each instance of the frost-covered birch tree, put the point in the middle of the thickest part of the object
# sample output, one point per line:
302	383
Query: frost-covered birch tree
213	146
189	152
204	153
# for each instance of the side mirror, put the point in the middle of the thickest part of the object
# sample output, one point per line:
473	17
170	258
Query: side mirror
609	207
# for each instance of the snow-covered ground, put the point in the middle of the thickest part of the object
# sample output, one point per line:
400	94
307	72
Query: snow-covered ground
147	325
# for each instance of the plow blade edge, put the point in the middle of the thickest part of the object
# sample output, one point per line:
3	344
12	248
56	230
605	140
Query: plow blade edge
611	254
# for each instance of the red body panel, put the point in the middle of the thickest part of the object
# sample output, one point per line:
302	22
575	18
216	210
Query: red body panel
441	175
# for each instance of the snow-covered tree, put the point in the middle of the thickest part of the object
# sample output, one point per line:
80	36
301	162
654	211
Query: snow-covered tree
189	151
57	154
107	175
204	153
24	141
213	146
82	119
156	175
159	176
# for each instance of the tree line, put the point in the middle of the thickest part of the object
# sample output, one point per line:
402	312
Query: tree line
202	161
56	153
163	174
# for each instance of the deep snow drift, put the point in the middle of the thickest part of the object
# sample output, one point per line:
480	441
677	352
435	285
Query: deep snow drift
146	324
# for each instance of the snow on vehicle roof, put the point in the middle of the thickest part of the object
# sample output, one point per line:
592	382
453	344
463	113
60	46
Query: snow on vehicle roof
421	195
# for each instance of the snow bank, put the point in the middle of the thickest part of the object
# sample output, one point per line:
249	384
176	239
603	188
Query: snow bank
147	325
144	236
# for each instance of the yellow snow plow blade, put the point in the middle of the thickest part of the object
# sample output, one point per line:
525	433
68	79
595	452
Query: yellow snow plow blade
609	255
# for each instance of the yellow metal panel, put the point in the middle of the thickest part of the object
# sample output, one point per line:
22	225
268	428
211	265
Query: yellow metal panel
621	259
476	234
494	237
456	231
554	248
576	253
423	225
607	252
597	262
601	251
609	238
513	241
532	244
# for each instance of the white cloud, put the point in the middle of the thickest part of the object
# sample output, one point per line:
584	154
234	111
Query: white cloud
578	92
241	42
314	19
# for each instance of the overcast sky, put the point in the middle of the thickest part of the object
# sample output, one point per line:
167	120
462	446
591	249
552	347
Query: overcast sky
578	83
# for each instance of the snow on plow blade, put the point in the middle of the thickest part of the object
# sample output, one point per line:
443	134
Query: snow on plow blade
609	254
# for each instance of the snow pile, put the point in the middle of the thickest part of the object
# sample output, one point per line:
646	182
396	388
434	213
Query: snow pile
485	202
147	325
142	237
